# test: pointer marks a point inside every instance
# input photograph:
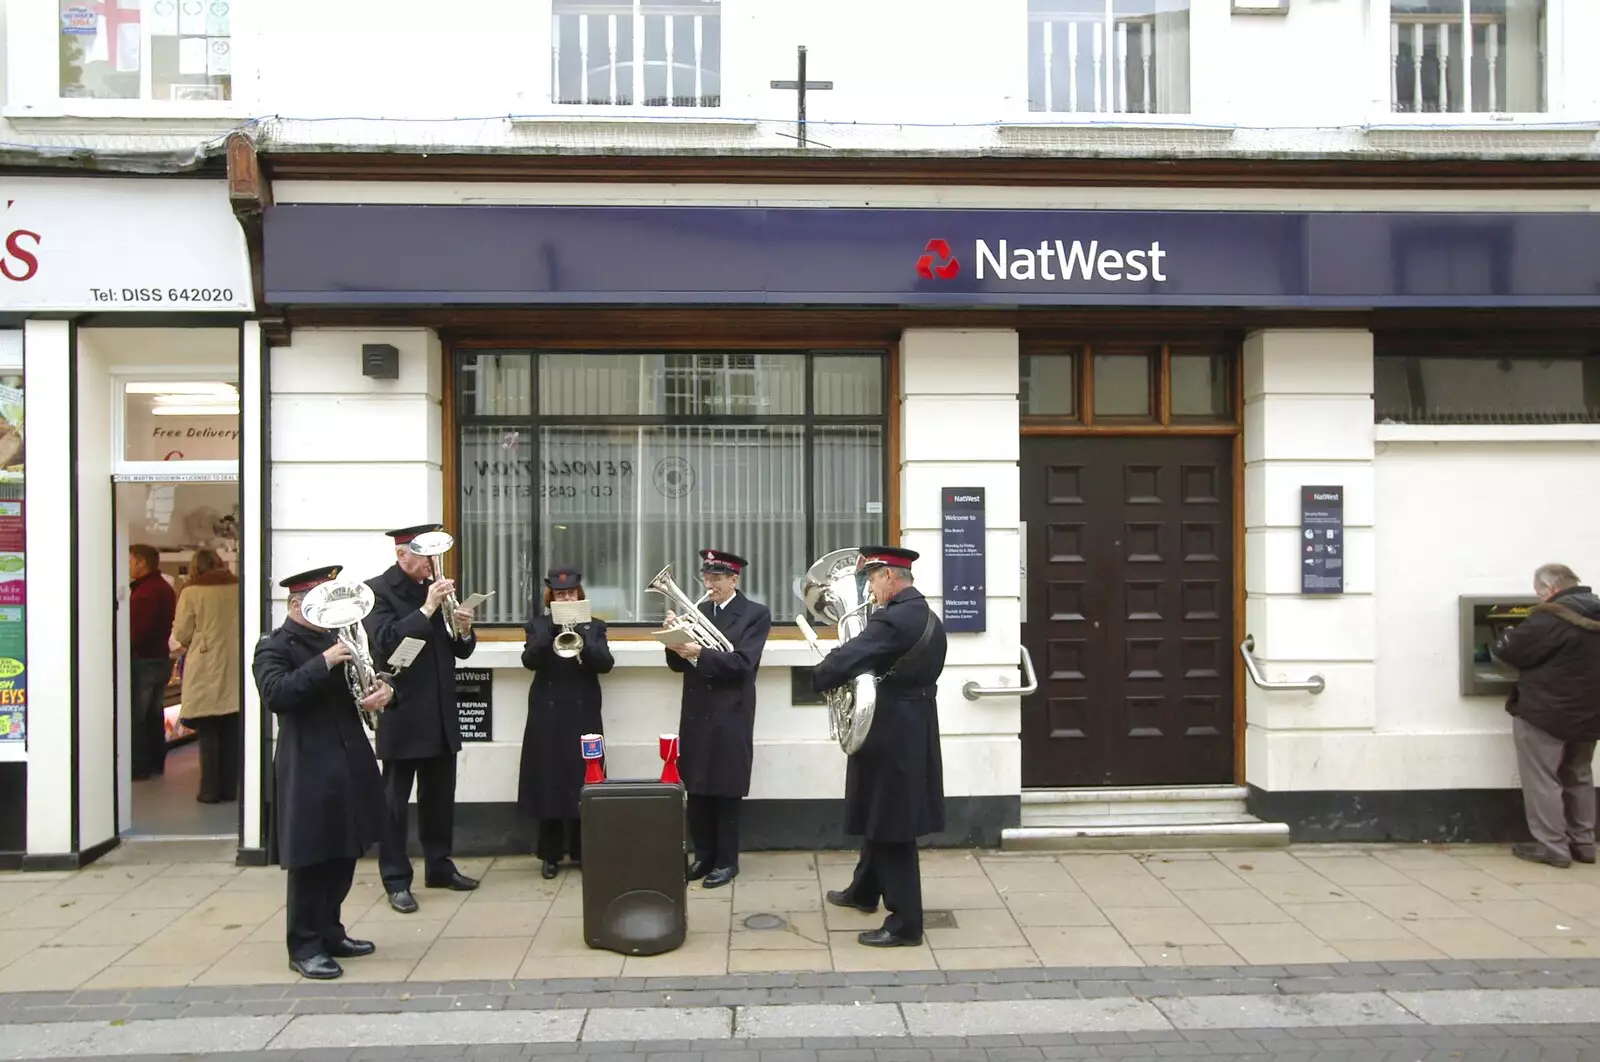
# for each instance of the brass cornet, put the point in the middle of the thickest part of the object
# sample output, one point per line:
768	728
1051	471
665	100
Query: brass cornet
568	615
340	607
686	613
433	545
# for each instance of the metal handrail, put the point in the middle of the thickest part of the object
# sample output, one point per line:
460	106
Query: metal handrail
972	691
1315	684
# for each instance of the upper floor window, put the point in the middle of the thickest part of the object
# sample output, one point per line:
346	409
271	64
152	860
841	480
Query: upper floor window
1467	56
145	50
1537	378
1108	56
648	53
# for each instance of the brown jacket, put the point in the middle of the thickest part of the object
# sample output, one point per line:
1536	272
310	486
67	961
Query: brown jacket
207	626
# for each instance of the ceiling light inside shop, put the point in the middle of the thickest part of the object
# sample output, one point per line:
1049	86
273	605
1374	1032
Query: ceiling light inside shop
196	411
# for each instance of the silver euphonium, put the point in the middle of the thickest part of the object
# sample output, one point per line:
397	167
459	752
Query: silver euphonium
568	615
340	607
687	616
835	592
433	545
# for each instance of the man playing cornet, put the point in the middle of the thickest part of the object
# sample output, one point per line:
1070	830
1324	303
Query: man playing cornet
418	742
717	720
329	805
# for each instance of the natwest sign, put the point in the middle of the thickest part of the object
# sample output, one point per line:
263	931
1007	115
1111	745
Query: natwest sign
1074	260
119	245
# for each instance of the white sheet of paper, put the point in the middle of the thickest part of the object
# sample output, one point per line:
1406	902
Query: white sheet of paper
406	652
673	637
192	17
191	55
219	57
471	603
164	18
128	47
217	19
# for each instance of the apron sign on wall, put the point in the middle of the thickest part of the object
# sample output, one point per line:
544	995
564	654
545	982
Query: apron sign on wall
475	704
1322	540
965	577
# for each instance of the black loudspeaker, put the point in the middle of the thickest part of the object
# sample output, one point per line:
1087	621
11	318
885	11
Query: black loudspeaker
635	896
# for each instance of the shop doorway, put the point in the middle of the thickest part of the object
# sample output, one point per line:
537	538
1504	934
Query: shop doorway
1129	610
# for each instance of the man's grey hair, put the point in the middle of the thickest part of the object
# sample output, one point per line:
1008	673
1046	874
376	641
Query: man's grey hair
903	574
1555	577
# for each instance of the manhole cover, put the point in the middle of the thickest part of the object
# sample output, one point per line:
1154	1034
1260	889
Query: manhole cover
764	921
939	920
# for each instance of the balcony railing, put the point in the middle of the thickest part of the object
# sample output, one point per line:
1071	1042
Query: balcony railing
650	54
1091	65
1437	66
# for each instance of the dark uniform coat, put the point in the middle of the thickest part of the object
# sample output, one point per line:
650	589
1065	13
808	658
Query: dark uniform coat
421	722
563	705
894	784
717	720
329	802
1557	652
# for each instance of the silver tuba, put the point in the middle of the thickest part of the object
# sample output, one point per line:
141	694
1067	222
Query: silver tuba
568	615
687	614
836	593
433	545
340	607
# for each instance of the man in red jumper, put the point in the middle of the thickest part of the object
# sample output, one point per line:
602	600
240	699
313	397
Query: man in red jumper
151	606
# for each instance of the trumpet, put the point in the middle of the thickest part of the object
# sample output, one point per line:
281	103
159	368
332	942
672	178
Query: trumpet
340	607
686	613
568	615
433	545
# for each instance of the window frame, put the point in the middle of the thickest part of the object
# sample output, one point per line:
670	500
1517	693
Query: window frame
454	422
1381	22
33	74
1198	14
1483	346
1161	419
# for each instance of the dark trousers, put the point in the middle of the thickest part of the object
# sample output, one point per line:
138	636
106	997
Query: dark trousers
559	837
714	830
435	779
315	894
149	679
888	870
219	755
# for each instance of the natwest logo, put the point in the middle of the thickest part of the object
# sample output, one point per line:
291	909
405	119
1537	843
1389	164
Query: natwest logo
1060	260
937	261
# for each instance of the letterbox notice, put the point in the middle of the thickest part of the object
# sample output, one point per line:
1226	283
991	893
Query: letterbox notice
1322	540
965	595
475	704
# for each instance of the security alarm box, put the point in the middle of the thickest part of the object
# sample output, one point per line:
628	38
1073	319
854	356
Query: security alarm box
1483	621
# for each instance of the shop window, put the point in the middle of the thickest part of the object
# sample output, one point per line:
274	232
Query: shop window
647	53
1108	56
637	459
1127	383
180	420
1467	56
1484	380
146	49
13	554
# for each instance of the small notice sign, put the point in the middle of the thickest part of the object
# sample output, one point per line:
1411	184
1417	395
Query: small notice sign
475	704
1322	540
965	560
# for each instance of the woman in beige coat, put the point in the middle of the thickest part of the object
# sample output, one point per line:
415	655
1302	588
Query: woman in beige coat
207	627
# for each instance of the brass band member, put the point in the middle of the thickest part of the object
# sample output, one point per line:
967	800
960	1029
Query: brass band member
329	798
894	785
717	720
418	742
563	705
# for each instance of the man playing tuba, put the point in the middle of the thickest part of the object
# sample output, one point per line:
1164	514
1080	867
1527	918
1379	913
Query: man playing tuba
717	720
894	784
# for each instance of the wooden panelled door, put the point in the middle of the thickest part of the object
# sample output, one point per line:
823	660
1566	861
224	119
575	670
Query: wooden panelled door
1129	610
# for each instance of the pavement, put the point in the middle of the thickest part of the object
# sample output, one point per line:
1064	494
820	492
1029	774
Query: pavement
1372	952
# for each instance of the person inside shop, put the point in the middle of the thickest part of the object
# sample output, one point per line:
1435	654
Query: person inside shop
418	742
329	805
894	784
1555	709
207	629
151	607
717	717
563	705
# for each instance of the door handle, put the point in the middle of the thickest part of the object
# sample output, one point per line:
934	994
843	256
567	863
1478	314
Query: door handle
1030	682
1315	684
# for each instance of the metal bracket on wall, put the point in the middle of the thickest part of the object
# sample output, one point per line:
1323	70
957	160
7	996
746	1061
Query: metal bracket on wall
1315	684
972	691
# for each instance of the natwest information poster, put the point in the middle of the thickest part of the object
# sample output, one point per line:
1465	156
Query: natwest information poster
13	574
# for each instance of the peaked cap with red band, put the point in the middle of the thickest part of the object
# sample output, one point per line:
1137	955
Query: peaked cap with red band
299	584
885	556
406	534
716	561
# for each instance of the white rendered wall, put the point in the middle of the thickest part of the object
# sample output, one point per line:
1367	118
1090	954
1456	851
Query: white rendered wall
1308	422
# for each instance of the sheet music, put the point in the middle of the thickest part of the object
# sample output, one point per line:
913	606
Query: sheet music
475	600
406	653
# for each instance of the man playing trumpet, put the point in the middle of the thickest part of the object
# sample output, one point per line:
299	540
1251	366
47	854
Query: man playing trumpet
329	805
717	720
418	742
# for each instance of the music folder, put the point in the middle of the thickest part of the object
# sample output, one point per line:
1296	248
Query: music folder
673	637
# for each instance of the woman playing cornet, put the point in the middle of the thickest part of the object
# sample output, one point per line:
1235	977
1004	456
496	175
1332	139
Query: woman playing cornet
563	704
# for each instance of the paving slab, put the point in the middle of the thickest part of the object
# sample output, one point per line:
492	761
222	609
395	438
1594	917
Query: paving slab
1514	1006
1017	1017
413	1030
1305	1010
169	1036
854	1019
658	1023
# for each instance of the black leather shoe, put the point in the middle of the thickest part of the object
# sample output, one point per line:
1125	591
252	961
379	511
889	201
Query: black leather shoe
548	871
720	877
882	938
840	898
317	967
455	882
349	948
699	869
402	900
1536	853
1583	857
